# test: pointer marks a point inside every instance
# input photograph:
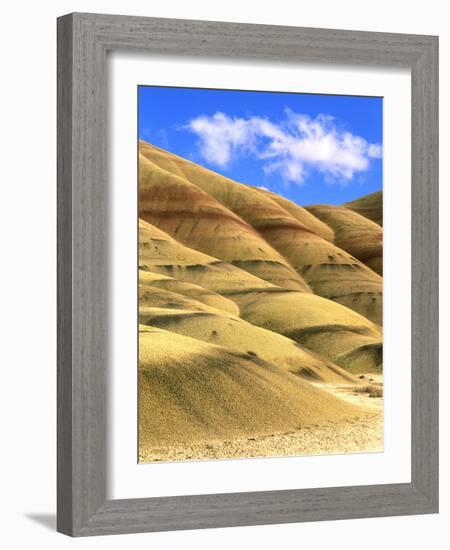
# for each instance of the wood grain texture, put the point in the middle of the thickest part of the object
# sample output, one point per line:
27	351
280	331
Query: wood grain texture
425	273
83	199
64	266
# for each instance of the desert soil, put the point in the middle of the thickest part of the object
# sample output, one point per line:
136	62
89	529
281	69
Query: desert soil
259	320
361	434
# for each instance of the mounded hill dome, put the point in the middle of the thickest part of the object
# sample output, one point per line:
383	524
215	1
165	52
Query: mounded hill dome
192	390
301	316
354	233
293	241
259	319
196	219
370	206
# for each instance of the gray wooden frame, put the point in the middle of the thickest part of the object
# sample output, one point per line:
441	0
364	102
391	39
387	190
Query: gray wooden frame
83	41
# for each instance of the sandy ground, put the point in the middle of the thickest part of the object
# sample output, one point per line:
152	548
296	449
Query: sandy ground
362	434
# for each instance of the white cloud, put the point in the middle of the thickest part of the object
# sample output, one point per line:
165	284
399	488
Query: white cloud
290	147
375	151
220	136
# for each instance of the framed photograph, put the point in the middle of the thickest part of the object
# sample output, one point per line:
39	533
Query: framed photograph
247	274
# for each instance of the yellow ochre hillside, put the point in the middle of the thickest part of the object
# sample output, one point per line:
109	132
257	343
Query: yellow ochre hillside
247	228
258	318
354	233
370	206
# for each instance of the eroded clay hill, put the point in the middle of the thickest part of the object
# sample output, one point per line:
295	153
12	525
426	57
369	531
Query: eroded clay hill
369	206
263	234
192	391
195	218
173	276
354	233
249	307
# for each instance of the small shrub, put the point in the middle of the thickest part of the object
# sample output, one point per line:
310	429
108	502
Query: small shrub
373	391
377	391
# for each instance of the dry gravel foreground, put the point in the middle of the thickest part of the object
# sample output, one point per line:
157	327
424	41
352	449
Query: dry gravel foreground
363	434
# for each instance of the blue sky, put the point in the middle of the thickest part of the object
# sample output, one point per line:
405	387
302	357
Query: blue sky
309	148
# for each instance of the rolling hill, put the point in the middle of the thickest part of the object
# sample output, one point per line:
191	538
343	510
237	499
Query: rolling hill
186	316
369	206
293	240
195	218
354	233
250	307
301	316
192	391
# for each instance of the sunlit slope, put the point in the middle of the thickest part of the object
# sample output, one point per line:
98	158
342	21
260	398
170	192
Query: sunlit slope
302	215
335	332
161	253
196	219
370	206
181	315
356	234
329	271
301	316
192	291
246	202
192	391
